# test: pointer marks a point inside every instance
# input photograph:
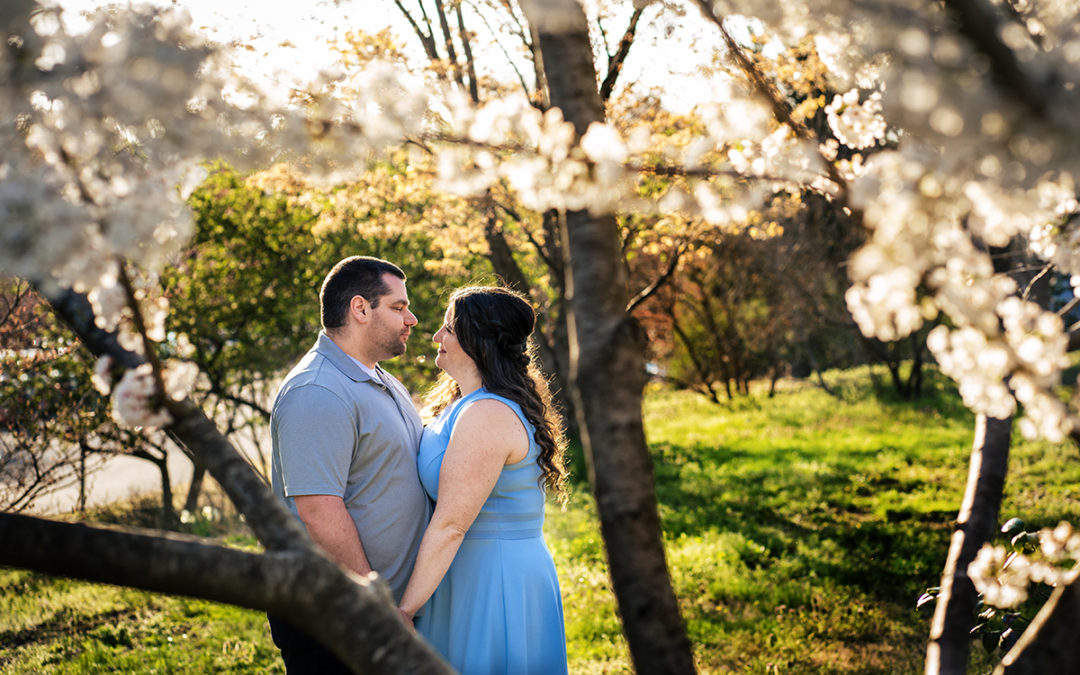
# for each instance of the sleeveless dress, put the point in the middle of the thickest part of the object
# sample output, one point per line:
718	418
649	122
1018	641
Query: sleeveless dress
498	610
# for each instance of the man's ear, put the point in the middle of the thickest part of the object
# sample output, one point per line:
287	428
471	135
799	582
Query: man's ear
359	308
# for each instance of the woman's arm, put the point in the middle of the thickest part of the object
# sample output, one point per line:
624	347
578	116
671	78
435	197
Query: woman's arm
487	436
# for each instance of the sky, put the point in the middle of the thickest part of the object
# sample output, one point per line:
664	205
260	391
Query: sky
289	40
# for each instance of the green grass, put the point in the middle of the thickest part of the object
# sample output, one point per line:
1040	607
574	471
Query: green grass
800	530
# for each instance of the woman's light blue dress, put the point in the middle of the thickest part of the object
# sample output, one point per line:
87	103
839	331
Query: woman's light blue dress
498	609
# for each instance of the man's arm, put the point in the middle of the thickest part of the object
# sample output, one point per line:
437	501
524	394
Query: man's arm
330	525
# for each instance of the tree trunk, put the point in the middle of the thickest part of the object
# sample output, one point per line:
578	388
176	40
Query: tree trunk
83	452
947	652
608	373
169	519
198	473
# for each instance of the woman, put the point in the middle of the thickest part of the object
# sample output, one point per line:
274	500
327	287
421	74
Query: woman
493	447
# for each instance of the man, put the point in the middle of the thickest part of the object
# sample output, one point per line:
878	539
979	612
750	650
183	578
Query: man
345	436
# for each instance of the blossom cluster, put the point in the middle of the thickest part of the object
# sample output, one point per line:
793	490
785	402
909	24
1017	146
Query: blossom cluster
857	125
136	401
1003	577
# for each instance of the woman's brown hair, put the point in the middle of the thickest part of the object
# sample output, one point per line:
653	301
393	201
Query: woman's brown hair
494	325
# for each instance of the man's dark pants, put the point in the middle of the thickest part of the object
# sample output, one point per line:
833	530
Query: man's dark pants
302	654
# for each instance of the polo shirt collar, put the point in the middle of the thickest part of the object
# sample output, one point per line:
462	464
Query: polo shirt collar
342	361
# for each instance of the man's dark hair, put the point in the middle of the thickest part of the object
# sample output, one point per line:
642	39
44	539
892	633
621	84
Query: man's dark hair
353	276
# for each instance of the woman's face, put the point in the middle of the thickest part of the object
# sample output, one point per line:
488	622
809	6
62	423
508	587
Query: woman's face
451	357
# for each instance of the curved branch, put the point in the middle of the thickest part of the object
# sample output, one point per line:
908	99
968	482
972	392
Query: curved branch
426	39
353	616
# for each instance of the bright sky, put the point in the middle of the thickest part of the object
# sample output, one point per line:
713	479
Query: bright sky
289	39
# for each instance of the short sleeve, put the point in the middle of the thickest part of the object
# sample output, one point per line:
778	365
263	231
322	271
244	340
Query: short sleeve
316	433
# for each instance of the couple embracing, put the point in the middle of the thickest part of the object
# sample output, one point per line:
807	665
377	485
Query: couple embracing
449	514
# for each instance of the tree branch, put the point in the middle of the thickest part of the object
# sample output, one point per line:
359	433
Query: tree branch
651	289
272	524
615	63
353	616
1051	643
448	40
782	110
470	62
978	22
427	40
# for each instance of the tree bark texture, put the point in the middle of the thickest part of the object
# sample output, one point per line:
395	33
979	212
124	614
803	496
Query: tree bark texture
949	646
355	619
1051	644
353	616
608	373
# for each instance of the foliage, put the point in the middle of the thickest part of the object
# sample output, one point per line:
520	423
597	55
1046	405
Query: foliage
266	240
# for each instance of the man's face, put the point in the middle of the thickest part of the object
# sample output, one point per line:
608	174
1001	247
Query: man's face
391	321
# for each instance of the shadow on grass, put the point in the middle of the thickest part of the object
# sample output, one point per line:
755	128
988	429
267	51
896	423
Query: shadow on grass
64	622
831	523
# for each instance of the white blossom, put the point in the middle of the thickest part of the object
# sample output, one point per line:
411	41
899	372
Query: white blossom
132	396
1000	578
857	125
102	377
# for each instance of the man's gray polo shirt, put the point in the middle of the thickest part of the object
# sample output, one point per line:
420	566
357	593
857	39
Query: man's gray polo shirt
338	431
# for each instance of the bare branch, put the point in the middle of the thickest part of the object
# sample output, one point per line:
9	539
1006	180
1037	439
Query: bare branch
1046	269
615	63
426	39
651	289
470	62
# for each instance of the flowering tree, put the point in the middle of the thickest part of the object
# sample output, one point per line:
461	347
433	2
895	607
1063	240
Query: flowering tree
955	134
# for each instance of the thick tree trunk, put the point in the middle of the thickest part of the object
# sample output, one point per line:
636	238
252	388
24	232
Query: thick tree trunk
608	374
1051	644
354	617
947	652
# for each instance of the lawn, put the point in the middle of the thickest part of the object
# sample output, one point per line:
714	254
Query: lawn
800	530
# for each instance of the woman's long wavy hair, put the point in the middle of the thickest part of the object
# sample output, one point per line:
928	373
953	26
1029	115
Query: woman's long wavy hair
494	325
